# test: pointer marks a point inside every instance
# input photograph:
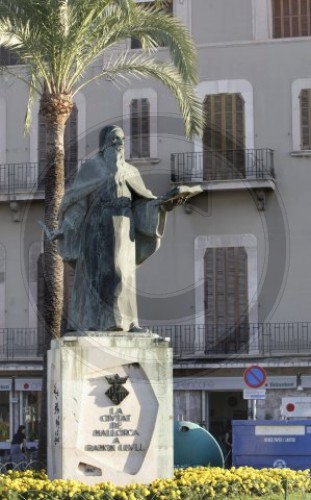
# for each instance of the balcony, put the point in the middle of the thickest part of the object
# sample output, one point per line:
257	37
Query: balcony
212	342
20	181
225	170
208	342
21	344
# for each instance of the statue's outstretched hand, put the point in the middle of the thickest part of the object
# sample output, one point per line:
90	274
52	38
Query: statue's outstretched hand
168	205
178	196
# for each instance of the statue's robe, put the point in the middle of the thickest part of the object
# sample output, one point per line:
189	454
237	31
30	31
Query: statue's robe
111	223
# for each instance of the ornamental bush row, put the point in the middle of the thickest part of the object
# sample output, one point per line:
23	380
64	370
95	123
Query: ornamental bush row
195	483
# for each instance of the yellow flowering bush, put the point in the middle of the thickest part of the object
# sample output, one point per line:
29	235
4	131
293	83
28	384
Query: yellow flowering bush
194	483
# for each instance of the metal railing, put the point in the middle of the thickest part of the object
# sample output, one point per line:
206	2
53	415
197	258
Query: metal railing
21	343
222	165
28	178
208	341
16	178
247	339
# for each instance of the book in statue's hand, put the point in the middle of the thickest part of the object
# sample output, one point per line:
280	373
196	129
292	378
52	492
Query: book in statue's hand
180	194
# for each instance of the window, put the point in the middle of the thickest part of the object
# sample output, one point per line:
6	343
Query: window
32	413
71	147
226	296
140	128
166	7
291	18
223	136
2	289
41	286
140	120
4	415
34	252
8	58
305	118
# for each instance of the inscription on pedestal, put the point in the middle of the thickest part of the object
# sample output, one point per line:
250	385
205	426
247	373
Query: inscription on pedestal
117	427
56	414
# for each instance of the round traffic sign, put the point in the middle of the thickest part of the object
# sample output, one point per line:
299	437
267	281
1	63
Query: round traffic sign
254	376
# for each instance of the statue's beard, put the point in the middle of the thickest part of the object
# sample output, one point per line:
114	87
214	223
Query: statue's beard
114	156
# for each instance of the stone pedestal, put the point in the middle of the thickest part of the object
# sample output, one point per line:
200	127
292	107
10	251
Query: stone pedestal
110	406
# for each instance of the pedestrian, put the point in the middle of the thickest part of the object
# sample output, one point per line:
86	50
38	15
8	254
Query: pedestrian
228	445
18	448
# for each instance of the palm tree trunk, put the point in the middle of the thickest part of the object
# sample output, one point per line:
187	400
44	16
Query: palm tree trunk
56	109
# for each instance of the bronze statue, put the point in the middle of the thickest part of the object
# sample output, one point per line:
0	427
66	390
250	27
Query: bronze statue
109	223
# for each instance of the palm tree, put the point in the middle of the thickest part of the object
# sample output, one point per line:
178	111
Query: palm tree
57	41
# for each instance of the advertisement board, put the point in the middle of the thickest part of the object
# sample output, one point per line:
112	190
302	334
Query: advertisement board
293	407
271	443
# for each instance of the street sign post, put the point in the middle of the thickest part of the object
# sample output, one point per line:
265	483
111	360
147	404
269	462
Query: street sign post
254	377
254	394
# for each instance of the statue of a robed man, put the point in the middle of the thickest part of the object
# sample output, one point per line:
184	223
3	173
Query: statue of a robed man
109	223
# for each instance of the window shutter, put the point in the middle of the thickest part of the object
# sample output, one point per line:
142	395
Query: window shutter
145	128
42	143
223	137
71	146
305	118
140	128
226	295
134	118
8	58
291	18
40	289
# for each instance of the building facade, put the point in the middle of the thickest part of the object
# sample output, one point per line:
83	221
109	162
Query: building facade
230	284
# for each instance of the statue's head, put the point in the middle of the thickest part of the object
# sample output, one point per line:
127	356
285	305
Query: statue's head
105	133
111	142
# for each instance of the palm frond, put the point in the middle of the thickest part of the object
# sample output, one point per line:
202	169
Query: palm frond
139	65
59	40
31	95
152	25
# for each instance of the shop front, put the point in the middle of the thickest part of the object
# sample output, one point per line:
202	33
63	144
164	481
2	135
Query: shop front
215	401
20	404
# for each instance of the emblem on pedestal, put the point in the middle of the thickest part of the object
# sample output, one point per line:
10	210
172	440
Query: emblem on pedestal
117	392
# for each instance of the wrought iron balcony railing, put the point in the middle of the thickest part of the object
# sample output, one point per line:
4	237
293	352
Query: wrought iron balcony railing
222	165
255	339
16	178
28	178
190	341
21	344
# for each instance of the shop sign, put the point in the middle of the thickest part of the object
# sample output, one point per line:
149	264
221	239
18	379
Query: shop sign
276	382
296	407
28	384
5	384
281	382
